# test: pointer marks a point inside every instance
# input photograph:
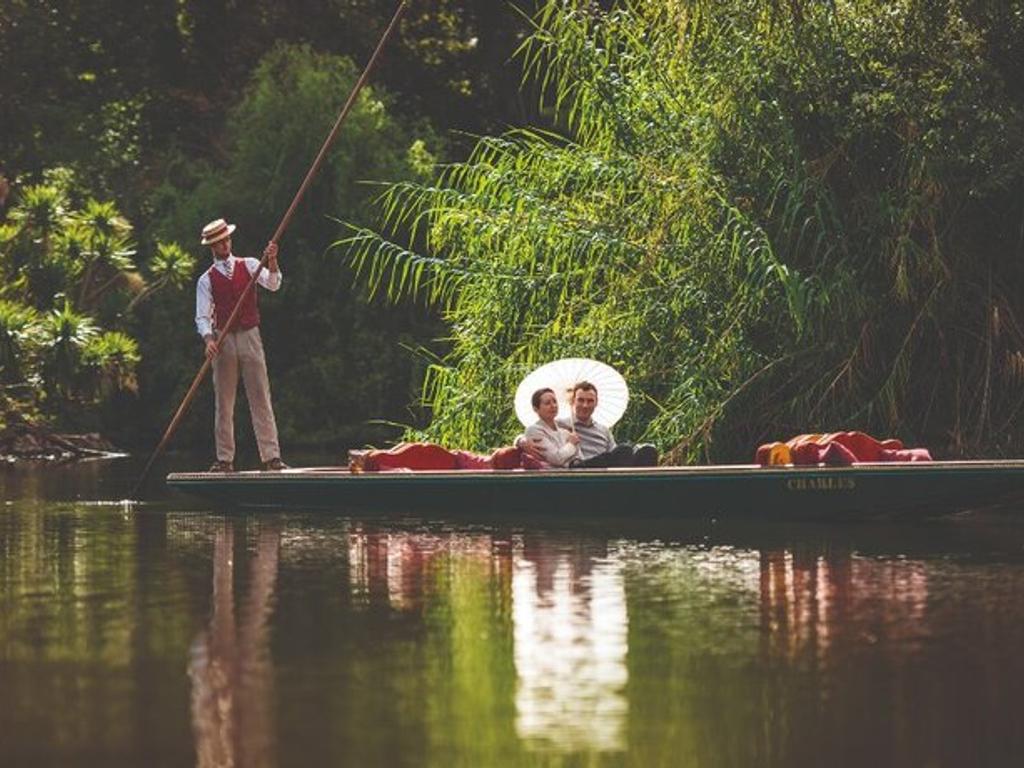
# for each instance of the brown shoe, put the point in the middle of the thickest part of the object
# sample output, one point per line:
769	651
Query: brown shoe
274	465
222	466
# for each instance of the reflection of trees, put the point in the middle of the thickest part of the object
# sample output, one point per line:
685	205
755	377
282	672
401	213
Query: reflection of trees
396	566
526	640
497	648
867	668
455	681
70	591
440	647
570	629
90	615
821	607
229	663
813	600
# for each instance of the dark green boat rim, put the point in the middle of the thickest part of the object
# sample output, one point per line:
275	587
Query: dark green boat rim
940	486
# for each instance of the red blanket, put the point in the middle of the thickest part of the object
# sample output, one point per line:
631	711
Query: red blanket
420	456
837	449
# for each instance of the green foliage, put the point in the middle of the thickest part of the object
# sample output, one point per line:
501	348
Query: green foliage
772	220
143	99
111	359
109	87
41	212
68	270
17	326
335	361
171	265
51	246
63	337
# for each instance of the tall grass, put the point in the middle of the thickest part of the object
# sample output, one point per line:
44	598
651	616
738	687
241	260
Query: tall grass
772	218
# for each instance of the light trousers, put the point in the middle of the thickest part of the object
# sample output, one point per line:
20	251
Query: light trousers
242	351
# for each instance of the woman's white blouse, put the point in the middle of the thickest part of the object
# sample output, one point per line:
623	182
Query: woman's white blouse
553	444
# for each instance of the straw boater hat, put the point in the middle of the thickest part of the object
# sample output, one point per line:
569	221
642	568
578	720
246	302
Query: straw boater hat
216	230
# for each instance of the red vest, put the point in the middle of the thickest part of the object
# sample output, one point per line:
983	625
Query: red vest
225	296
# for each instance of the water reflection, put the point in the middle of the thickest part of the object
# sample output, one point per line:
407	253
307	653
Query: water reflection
176	638
874	659
813	600
570	628
229	662
396	567
567	607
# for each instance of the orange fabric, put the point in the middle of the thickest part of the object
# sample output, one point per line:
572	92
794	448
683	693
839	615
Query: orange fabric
421	456
837	449
774	454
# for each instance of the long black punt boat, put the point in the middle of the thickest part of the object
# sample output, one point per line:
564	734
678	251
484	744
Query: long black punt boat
862	490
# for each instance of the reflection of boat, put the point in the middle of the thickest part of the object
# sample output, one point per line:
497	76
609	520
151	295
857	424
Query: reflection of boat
813	491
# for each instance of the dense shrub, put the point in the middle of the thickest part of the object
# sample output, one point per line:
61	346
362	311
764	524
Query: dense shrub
774	218
70	276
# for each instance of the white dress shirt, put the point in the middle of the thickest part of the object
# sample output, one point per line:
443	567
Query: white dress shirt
204	293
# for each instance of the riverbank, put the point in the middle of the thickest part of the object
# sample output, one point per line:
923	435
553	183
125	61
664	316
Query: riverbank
28	442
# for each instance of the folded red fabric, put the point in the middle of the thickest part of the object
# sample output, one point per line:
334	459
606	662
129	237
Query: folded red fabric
907	454
837	449
410	456
502	458
425	456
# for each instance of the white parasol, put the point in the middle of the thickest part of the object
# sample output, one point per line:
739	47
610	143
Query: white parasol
561	375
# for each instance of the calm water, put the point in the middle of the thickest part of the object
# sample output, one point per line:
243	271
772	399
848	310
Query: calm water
169	634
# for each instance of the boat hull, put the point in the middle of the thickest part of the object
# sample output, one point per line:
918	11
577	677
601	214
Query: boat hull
858	491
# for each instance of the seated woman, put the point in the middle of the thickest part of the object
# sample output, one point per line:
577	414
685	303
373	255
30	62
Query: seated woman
558	447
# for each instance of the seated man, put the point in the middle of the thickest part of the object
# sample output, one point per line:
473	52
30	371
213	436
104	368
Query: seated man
597	444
